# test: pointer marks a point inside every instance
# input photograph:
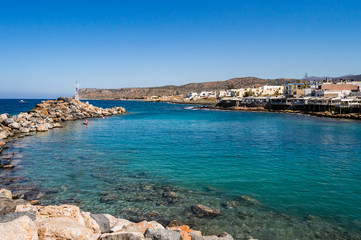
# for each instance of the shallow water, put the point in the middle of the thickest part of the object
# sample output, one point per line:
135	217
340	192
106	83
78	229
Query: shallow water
293	165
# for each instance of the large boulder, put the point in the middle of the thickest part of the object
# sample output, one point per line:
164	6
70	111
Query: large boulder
24	130
117	224
90	222
4	193
42	128
97	222
12	216
102	221
3	117
141	227
8	205
122	236
223	236
22	228
186	232
14	125
7	121
2	136
204	211
162	234
64	228
68	211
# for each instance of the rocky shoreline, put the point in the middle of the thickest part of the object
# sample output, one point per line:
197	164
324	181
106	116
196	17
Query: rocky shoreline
353	116
48	115
20	220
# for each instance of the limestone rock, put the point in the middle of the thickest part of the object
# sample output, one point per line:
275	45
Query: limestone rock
12	216
204	211
8	205
14	125
122	236
97	222
22	228
117	222
6	193
47	115
225	236
91	222
2	136
57	125
185	232
69	211
102	221
34	202
8	121
141	227
24	130
42	128
3	117
196	235
162	234
212	237
64	228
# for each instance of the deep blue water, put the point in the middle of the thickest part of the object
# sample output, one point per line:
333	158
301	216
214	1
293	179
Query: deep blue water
14	106
293	165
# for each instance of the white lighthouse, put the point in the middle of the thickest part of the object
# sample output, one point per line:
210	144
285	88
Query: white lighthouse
76	95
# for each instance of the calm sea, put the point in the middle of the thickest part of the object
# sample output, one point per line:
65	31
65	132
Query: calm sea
304	172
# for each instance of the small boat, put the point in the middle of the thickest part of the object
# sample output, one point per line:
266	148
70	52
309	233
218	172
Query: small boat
22	101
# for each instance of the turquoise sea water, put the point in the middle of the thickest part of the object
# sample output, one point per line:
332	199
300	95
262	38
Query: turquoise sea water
303	171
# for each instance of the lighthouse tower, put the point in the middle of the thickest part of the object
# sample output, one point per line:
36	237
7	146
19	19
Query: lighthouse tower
76	95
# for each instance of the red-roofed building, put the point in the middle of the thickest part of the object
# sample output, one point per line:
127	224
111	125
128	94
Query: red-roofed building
338	87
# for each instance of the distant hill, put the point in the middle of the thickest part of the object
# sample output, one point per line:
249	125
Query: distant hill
350	77
345	77
138	93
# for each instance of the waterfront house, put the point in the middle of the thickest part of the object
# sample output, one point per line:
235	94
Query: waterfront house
222	93
190	96
290	89
271	90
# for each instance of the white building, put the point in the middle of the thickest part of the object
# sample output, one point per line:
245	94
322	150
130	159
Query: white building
270	90
191	95
222	93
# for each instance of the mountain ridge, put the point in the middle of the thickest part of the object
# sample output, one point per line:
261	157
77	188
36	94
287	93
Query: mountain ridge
171	90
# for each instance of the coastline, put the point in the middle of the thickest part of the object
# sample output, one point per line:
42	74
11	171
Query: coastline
212	104
22	216
175	101
163	196
326	114
200	102
20	220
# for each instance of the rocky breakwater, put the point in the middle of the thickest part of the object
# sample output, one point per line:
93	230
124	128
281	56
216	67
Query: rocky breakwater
23	220
49	114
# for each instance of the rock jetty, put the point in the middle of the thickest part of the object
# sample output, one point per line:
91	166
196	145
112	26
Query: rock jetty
49	114
21	220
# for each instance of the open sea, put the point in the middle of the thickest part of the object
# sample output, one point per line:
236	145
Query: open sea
302	174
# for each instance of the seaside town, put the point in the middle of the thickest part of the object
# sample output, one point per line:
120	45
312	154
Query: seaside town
332	96
180	120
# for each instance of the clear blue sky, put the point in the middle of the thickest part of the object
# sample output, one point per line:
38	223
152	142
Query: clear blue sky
46	45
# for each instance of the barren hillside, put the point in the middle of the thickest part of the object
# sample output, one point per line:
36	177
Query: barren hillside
138	93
